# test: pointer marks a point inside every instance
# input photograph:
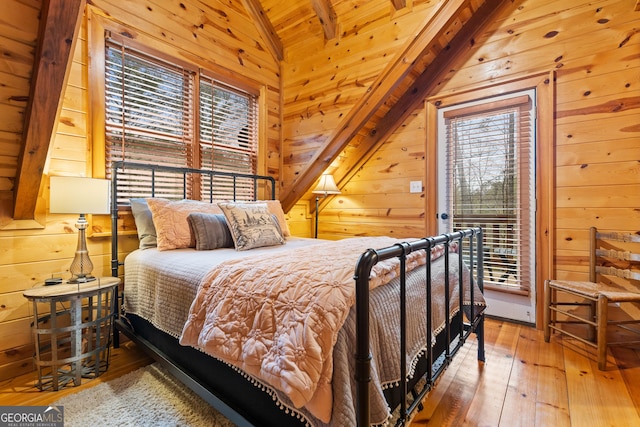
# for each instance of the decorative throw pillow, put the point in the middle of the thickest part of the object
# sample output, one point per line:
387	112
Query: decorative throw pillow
275	207
251	225
144	223
210	231
170	221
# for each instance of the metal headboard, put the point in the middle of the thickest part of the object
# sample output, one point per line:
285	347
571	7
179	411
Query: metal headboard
121	166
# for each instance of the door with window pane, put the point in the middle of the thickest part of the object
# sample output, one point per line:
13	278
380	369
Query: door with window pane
486	178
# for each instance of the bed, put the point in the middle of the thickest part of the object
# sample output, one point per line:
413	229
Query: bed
270	339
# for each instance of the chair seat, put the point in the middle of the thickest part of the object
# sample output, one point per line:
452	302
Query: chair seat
587	289
593	290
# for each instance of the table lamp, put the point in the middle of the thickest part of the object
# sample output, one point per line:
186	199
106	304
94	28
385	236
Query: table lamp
79	195
326	186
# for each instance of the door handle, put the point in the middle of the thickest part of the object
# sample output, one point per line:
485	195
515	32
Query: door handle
444	216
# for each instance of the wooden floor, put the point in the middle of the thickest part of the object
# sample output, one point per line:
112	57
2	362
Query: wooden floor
524	382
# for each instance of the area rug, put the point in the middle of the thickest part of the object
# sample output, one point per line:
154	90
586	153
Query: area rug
149	396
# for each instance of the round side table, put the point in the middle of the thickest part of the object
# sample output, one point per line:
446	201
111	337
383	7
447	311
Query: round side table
72	328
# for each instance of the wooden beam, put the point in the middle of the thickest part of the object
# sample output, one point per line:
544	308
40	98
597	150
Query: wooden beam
59	26
378	93
399	4
423	87
265	28
327	16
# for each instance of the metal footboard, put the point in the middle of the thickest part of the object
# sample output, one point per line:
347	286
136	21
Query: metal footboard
471	250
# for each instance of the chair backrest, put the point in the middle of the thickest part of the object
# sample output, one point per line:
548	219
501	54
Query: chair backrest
606	256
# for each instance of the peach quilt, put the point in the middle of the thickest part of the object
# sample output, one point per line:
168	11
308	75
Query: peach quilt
277	317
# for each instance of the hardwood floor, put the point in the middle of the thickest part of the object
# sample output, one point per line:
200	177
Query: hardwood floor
524	382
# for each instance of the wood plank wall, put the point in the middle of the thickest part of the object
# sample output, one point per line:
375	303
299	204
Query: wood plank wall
322	81
593	47
594	50
29	256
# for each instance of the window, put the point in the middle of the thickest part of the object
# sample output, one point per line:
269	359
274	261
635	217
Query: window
161	111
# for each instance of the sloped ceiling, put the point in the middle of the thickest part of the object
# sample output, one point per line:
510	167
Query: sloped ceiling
414	72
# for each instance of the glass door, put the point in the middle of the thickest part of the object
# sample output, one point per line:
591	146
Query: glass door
487	179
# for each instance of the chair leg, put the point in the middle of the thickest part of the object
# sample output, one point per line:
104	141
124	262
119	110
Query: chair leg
602	322
593	316
547	311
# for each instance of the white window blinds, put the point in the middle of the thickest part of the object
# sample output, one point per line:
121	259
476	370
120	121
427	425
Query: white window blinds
227	134
158	111
490	164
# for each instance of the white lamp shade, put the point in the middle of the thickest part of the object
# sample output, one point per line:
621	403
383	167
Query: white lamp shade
79	195
326	186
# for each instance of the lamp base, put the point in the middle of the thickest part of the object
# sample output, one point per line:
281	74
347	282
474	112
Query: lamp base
81	266
81	279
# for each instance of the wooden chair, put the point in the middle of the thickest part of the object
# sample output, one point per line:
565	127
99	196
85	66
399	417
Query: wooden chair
608	262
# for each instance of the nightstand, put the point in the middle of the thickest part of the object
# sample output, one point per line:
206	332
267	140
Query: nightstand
72	328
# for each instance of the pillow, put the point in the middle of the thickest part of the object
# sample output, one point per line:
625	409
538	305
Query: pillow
210	231
275	208
251	225
144	223
170	221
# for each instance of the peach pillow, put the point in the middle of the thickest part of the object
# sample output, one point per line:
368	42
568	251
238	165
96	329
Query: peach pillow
170	221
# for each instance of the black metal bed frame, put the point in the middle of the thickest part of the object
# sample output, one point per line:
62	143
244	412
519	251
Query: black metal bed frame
402	250
211	174
362	272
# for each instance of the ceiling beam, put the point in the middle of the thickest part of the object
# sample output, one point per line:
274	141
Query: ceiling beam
265	28
424	86
378	93
327	16
59	26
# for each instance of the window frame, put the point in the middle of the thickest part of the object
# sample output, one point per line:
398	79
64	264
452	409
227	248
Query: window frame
101	27
544	84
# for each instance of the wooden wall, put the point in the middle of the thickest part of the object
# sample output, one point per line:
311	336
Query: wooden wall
594	50
322	81
593	47
29	256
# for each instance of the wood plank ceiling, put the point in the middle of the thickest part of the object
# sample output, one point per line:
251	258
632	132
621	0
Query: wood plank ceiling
415	71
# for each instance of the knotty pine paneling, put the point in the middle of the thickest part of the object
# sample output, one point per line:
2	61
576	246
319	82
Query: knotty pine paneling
17	40
612	128
596	152
593	49
597	136
594	53
592	46
377	200
207	32
622	196
321	86
210	34
299	220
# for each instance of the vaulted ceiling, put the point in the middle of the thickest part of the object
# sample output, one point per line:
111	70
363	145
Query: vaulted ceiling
412	74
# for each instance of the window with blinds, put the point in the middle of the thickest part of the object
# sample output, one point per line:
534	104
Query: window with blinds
490	162
227	135
160	111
